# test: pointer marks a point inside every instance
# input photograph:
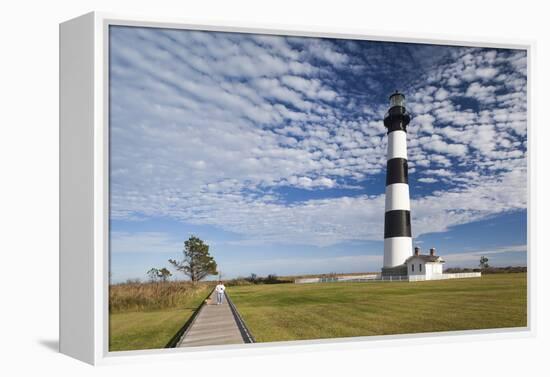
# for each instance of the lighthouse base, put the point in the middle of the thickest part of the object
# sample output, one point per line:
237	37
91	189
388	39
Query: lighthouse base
400	270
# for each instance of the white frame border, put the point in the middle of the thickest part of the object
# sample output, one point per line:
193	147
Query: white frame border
102	21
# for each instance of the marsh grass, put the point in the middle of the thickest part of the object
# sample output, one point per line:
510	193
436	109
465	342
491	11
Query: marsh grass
137	297
148	315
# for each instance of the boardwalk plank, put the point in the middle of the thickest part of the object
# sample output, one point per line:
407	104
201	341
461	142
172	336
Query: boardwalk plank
214	325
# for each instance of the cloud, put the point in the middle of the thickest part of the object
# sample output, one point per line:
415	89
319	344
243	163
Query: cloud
212	128
297	266
441	94
326	222
484	94
438	145
323	50
427	180
480	199
144	242
453	81
308	183
310	87
425	122
494	255
486	73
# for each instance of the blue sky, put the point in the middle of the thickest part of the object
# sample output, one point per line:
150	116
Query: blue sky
272	150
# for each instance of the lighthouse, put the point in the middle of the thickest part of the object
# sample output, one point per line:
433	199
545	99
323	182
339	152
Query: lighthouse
397	217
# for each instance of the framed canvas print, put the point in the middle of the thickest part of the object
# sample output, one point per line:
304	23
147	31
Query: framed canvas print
229	189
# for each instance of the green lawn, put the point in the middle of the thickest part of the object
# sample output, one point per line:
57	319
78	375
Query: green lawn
327	310
140	330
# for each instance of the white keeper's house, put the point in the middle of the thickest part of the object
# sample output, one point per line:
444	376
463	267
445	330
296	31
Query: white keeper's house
424	267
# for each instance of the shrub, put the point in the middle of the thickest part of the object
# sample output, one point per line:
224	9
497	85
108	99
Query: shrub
488	270
255	279
238	282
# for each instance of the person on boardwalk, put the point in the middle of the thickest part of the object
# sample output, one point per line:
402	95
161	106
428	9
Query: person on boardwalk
220	290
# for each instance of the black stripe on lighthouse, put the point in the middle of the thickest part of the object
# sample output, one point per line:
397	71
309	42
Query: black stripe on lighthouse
397	223
397	119
397	171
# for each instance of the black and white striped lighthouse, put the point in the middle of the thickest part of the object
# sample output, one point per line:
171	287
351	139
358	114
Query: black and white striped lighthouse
397	218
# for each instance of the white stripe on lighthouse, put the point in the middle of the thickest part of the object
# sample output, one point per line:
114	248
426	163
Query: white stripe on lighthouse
397	197
396	250
397	144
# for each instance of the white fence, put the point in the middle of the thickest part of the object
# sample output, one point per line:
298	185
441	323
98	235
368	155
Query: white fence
379	277
334	279
461	275
394	278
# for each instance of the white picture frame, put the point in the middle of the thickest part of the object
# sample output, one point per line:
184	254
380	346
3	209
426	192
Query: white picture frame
84	170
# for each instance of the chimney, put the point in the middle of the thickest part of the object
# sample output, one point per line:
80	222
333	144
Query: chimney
432	251
416	250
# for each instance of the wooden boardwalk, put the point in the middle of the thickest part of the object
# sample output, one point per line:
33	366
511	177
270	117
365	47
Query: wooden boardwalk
214	325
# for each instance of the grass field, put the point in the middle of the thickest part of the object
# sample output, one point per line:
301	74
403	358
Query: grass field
147	316
329	310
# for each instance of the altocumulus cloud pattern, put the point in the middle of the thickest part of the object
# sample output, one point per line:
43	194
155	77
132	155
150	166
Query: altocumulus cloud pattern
281	139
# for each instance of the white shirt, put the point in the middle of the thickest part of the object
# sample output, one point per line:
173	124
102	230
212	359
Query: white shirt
220	288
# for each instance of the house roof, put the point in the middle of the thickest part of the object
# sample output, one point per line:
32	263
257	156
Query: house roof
427	258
